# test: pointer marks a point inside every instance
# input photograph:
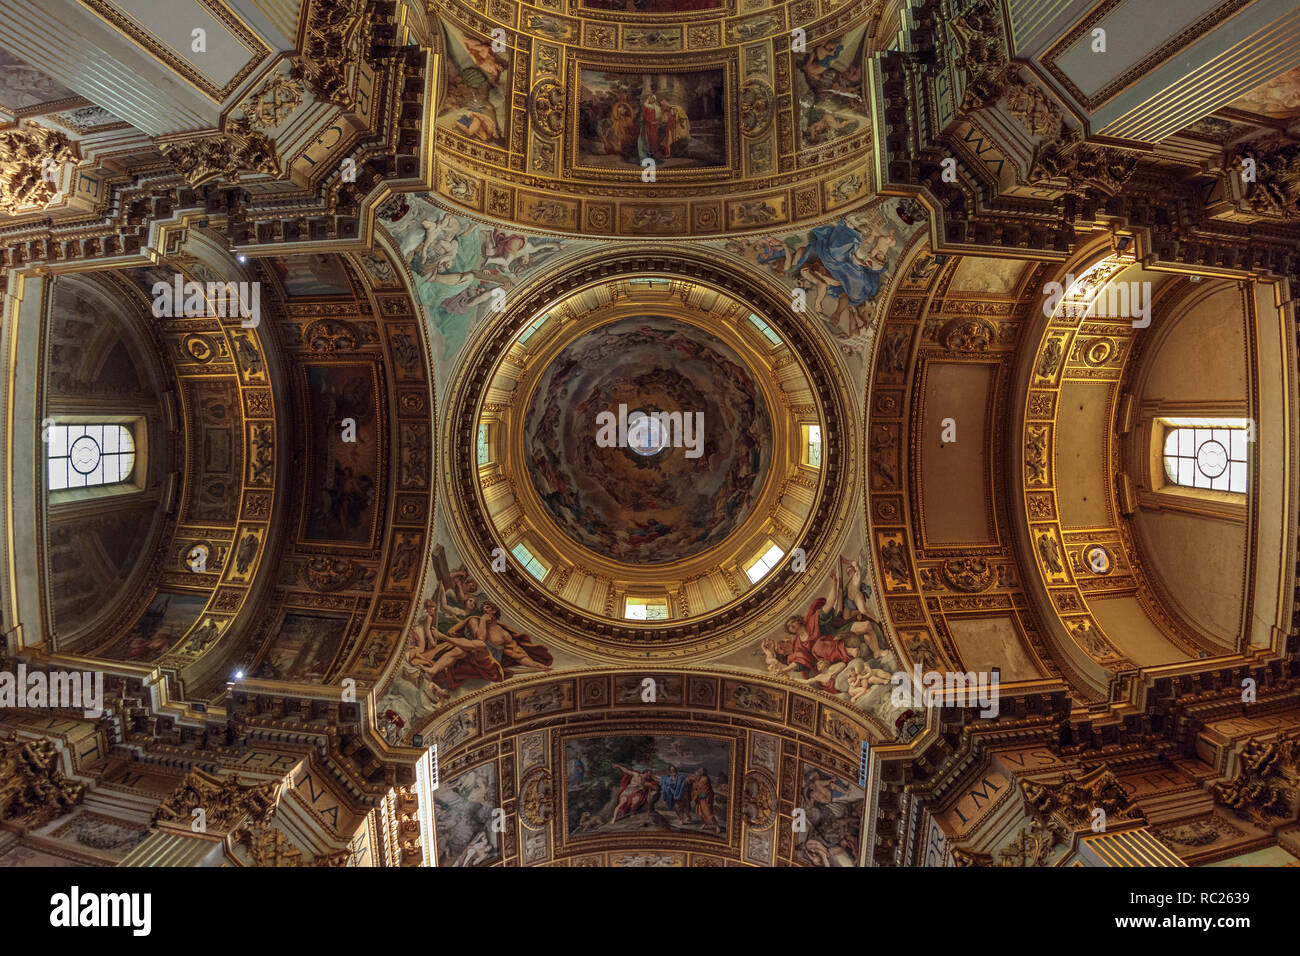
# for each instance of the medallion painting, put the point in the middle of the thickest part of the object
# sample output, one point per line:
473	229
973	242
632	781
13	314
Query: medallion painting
828	82
476	103
833	810
676	119
665	783
462	814
344	453
164	622
648	505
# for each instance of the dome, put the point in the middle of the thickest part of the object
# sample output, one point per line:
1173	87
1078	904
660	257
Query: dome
649	440
642	453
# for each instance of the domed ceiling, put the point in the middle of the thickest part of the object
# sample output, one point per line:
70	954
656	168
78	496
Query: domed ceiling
666	493
647	443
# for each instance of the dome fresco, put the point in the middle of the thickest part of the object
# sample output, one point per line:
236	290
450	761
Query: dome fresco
648	508
638	442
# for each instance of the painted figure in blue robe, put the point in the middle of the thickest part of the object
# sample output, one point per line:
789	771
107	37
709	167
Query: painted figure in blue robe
672	787
830	261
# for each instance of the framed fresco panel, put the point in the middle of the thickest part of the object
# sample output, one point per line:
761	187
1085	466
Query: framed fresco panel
676	117
462	818
662	784
303	649
833	813
314	274
343	476
476	104
164	622
829	89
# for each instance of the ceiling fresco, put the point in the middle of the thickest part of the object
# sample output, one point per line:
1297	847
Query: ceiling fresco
647	401
456	261
712	775
636	120
664	499
840	267
24	88
834	641
1278	99
843	270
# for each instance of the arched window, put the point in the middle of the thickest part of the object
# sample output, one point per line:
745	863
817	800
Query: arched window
85	455
1207	453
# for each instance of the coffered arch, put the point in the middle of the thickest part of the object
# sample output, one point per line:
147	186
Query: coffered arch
1213	354
1195	365
249	546
1091	524
357	428
1062	476
211	462
752	753
751	128
939	515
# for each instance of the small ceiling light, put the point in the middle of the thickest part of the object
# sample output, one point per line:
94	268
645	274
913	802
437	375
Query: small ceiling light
242	257
239	675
